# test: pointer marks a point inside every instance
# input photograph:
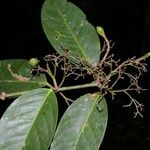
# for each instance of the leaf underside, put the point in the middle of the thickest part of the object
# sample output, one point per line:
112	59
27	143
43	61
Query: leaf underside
66	28
83	125
30	121
16	77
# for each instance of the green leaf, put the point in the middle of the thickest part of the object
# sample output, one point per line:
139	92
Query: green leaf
83	125
30	121
66	27
16	77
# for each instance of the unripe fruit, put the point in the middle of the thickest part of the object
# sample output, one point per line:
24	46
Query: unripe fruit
100	30
33	62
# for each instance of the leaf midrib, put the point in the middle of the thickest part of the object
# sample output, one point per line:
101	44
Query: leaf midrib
86	120
38	111
18	81
75	39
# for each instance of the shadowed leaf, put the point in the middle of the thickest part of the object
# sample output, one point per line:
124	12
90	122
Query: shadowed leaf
16	77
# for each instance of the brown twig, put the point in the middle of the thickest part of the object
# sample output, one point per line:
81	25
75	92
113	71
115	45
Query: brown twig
106	74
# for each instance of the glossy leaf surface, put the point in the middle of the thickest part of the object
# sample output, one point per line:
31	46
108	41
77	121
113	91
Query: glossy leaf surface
29	123
66	27
83	125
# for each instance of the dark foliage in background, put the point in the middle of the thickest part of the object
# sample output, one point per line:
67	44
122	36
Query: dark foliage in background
126	23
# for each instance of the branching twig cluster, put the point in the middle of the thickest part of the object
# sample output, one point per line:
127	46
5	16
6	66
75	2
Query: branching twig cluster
107	74
68	67
129	70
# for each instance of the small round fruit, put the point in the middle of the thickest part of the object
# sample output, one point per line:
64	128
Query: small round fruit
33	62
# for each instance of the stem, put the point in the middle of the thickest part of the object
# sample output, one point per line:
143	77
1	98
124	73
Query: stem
143	57
4	95
52	77
77	87
63	79
66	98
64	74
48	71
124	90
108	48
55	68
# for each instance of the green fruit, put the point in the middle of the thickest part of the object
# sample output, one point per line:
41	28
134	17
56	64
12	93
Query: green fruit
148	54
100	30
33	62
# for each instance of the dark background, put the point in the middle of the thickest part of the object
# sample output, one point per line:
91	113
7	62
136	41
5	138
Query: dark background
126	23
